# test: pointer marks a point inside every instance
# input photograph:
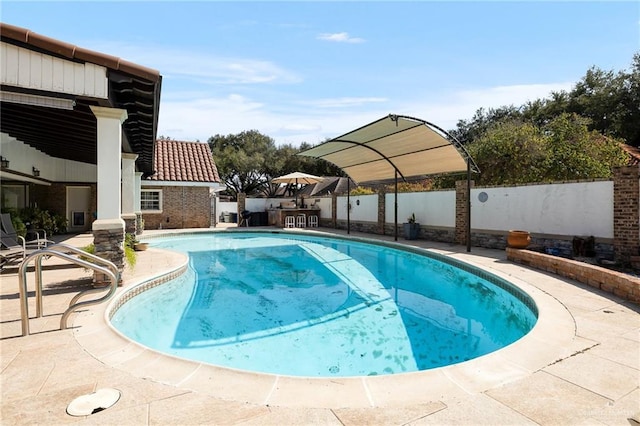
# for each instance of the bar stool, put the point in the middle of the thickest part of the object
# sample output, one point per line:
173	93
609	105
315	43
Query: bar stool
313	221
289	221
301	220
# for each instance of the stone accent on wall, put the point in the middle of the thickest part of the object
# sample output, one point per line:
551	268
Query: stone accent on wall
443	235
130	224
139	223
626	213
366	227
489	240
334	211
108	240
381	210
622	285
461	211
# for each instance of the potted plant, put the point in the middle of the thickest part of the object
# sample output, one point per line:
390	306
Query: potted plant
411	228
131	241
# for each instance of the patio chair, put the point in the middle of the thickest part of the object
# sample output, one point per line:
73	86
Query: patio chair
245	216
14	249
40	234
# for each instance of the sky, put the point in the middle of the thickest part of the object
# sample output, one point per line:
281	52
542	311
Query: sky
309	71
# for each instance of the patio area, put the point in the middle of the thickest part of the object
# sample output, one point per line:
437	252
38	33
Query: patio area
580	365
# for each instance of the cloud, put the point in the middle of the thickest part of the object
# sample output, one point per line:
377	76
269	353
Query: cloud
202	67
218	70
343	102
198	118
340	38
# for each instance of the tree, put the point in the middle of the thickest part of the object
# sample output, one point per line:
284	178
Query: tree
510	152
244	160
467	131
249	160
575	152
626	122
611	100
514	152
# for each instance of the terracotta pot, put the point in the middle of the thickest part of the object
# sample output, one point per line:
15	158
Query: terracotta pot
140	246
518	239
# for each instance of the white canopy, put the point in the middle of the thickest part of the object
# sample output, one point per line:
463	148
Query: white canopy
409	146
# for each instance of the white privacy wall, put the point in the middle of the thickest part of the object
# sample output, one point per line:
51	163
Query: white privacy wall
436	208
584	208
325	207
364	208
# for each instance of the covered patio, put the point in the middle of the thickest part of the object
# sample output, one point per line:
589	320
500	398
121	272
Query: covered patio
77	132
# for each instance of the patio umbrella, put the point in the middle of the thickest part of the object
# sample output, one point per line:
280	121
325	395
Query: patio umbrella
297	178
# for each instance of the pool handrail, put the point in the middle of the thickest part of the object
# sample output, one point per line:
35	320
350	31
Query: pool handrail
62	251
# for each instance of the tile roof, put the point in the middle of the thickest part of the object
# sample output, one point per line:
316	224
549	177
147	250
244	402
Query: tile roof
183	162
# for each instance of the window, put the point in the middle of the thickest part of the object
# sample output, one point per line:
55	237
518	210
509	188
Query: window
151	200
14	196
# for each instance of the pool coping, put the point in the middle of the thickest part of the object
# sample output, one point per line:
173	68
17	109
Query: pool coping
553	338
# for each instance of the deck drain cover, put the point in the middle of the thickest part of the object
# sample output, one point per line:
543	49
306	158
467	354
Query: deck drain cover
92	403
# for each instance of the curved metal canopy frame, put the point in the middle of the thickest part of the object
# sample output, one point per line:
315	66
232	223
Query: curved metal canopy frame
392	147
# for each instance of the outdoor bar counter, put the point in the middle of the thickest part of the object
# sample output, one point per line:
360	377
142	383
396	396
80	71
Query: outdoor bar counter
277	216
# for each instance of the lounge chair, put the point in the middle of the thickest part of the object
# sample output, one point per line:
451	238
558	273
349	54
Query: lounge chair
40	234
14	248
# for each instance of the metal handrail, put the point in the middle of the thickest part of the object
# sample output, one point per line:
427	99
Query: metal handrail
92	258
54	250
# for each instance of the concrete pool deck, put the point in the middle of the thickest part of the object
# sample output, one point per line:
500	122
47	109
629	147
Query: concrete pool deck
580	364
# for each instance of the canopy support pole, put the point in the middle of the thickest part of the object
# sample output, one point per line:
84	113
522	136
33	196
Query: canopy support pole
348	206
468	204
395	210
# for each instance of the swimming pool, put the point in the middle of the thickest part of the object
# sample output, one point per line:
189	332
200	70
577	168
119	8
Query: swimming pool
303	305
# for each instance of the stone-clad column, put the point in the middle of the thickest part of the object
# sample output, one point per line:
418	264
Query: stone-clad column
461	211
334	210
626	213
108	228
382	195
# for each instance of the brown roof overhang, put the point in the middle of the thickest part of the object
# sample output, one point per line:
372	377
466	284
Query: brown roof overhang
72	134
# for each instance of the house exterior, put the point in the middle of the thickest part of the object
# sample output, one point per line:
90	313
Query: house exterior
179	194
77	134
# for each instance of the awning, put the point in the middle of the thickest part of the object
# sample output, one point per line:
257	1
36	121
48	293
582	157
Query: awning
397	147
411	147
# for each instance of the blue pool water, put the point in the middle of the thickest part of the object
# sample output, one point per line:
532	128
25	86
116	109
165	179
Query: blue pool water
313	306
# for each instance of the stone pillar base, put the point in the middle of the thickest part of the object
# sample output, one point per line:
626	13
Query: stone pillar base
108	239
139	223
130	223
